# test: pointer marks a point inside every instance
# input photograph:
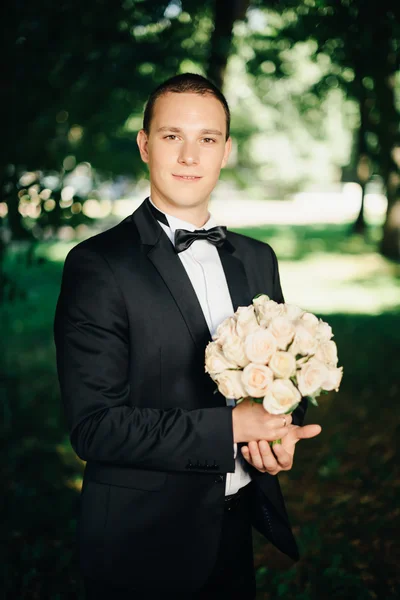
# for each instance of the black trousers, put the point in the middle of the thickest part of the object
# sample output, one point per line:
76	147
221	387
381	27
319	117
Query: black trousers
232	577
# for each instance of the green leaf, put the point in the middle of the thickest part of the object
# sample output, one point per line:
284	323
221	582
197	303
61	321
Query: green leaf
312	400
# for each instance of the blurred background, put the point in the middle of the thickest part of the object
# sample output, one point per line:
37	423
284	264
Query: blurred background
314	90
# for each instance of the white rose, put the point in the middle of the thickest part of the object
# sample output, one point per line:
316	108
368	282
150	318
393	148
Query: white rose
304	342
281	396
216	362
283	364
311	377
324	332
246	321
260	346
230	384
292	312
266	310
333	379
225	330
234	350
256	379
327	353
283	330
310	322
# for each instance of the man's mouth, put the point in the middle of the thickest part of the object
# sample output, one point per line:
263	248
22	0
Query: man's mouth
187	177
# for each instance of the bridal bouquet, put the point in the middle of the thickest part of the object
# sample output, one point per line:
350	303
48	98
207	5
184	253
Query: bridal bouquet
274	354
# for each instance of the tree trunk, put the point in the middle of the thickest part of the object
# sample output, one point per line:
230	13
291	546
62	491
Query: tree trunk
390	147
226	12
363	161
390	243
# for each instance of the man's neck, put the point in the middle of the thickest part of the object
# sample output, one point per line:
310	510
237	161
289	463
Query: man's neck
197	216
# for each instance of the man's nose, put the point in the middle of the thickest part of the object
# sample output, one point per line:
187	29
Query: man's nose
189	154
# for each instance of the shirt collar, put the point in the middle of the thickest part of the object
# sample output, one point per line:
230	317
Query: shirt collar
175	223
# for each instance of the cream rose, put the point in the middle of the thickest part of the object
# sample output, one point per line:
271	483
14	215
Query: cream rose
266	309
234	351
230	384
327	353
292	312
260	346
215	361
311	377
304	342
310	322
283	330
225	330
256	379
324	332
333	379
283	364
281	396
246	321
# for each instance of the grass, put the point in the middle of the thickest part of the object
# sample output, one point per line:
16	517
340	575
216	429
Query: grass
343	491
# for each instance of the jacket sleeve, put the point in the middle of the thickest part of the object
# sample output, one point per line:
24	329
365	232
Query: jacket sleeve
299	413
91	334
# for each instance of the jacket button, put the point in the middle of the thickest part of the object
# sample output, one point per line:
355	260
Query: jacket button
219	479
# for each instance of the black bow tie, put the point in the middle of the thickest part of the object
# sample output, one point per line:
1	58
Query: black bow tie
185	238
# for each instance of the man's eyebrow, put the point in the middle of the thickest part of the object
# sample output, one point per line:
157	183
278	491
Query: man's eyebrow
179	130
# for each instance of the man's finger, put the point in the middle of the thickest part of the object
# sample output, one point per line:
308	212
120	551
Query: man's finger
268	458
256	458
285	460
308	431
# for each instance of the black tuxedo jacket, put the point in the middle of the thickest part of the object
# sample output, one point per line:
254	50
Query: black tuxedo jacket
130	339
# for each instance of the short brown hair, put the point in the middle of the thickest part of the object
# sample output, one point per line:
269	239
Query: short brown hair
185	83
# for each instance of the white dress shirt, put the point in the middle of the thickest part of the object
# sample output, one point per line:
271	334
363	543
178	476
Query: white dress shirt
203	266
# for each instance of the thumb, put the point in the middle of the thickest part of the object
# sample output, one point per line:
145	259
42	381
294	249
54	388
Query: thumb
308	431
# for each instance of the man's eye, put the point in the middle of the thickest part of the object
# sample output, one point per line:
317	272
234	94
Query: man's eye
209	140
171	136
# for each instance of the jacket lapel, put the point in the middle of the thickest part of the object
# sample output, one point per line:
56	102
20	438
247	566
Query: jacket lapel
235	274
162	255
169	266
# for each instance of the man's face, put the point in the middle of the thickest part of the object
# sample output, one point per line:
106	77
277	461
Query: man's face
185	148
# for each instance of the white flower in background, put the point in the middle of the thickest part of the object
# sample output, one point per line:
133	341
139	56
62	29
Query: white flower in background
256	379
333	379
304	342
274	353
310	322
234	350
281	396
283	364
327	353
266	310
311	377
225	330
283	330
216	362
230	384
292	312
324	332
246	321
260	346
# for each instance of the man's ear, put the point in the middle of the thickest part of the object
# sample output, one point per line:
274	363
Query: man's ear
142	142
228	148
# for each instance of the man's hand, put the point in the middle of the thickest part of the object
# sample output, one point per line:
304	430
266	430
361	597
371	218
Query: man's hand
279	458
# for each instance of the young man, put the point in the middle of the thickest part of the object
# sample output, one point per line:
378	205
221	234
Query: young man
175	476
